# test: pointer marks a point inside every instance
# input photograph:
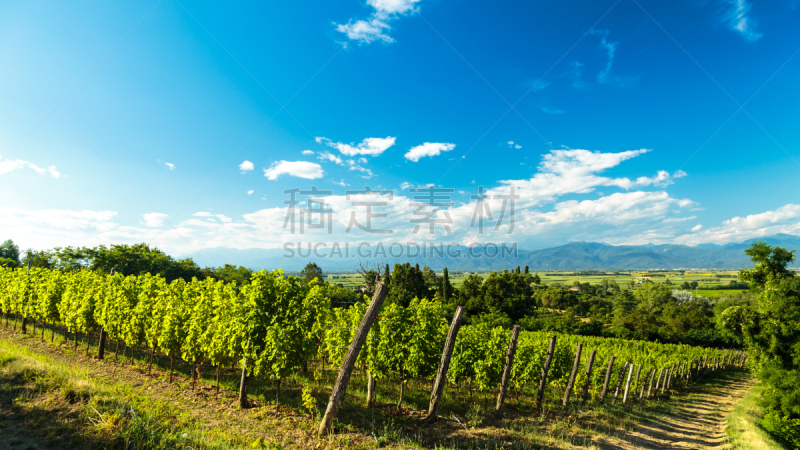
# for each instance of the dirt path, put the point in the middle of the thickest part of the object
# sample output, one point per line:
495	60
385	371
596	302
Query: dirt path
698	425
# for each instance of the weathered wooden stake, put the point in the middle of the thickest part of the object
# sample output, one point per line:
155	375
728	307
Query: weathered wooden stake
574	374
619	382
588	378
243	382
658	382
444	365
545	369
512	349
649	375
346	369
370	390
628	385
608	378
636	383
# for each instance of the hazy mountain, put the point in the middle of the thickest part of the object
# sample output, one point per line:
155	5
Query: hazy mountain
573	256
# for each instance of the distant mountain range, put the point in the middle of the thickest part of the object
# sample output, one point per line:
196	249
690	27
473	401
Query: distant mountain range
573	256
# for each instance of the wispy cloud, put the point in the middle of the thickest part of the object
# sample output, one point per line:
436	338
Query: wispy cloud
7	165
738	17
250	192
376	27
170	166
154	219
328	156
369	146
575	72
308	152
428	149
611	47
547	110
300	169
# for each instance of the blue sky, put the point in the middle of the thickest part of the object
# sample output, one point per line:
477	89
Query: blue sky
631	121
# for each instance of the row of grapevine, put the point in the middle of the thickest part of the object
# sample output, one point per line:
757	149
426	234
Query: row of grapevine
274	322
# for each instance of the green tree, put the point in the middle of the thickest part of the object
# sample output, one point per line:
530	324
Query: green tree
311	271
446	290
770	264
9	250
537	279
407	283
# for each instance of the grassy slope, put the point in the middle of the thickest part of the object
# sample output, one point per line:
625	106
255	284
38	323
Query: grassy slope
62	399
743	429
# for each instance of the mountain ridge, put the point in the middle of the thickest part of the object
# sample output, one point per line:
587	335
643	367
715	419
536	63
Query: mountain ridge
571	256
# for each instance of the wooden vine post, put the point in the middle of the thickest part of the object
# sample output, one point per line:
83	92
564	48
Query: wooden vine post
649	373
628	385
545	369
512	349
608	379
24	318
660	372
349	361
588	377
101	346
619	382
574	374
444	365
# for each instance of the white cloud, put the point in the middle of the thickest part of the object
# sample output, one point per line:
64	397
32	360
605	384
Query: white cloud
7	165
308	152
405	185
785	219
154	219
388	7
340	183
375	27
170	165
246	166
300	169
428	149
697	227
365	31
250	192
739	20
362	160
369	146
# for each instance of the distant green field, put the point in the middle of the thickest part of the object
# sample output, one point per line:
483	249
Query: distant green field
705	279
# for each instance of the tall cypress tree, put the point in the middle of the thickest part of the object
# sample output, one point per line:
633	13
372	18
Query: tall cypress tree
517	270
526	270
447	288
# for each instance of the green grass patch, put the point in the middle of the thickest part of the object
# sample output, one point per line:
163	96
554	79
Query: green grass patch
743	430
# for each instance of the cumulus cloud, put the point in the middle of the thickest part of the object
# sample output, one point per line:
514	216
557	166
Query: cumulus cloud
308	152
697	227
246	166
300	169
250	192
428	149
376	27
154	219
7	165
368	147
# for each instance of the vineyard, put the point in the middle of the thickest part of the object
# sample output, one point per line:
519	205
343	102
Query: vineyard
275	327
